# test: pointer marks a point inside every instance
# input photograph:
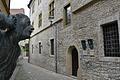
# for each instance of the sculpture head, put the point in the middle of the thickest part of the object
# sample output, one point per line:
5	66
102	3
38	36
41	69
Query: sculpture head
22	26
19	23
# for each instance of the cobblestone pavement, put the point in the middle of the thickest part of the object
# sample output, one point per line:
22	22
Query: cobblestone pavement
31	72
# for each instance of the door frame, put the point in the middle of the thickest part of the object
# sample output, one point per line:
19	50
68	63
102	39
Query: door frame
69	60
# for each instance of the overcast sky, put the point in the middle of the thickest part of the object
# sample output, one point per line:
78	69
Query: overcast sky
20	4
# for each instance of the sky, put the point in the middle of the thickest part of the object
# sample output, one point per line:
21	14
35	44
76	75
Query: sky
20	4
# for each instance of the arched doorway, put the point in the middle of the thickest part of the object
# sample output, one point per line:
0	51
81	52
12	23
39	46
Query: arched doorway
72	62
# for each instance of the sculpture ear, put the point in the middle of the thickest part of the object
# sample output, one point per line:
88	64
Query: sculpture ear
14	20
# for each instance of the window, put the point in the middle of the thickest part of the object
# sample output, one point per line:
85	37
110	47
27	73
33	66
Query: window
111	39
52	46
67	14
33	8
32	48
40	46
51	9
27	49
39	1
40	20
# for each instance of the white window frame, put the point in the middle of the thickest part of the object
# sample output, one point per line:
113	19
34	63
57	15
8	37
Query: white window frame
50	47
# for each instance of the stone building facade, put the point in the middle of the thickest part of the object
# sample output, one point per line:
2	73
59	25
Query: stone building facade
87	48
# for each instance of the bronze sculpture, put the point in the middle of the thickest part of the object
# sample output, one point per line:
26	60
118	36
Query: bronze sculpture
13	28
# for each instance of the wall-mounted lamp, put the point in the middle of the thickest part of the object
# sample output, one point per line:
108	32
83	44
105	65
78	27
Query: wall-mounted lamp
90	43
40	45
51	19
84	46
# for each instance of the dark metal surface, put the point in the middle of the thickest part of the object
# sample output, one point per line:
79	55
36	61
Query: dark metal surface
13	28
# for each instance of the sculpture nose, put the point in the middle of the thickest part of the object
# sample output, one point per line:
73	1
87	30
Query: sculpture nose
32	28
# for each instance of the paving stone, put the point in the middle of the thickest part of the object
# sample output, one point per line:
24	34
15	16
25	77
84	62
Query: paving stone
28	71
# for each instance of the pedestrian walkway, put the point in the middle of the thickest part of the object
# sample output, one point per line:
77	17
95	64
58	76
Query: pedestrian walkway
31	72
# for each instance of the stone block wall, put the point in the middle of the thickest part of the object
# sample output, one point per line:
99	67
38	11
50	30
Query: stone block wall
93	65
86	25
45	59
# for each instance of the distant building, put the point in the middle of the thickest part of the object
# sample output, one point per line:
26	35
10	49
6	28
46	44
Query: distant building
5	6
16	11
83	40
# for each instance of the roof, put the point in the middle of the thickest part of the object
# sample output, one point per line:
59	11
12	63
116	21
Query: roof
29	3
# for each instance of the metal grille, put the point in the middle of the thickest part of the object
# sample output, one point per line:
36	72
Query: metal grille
111	39
51	9
40	20
40	46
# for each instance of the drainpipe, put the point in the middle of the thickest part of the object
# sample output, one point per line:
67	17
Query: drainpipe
56	46
56	36
29	51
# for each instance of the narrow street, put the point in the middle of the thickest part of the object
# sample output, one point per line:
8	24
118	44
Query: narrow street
27	71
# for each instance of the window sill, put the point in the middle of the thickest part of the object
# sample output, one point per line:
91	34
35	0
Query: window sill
69	24
52	55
